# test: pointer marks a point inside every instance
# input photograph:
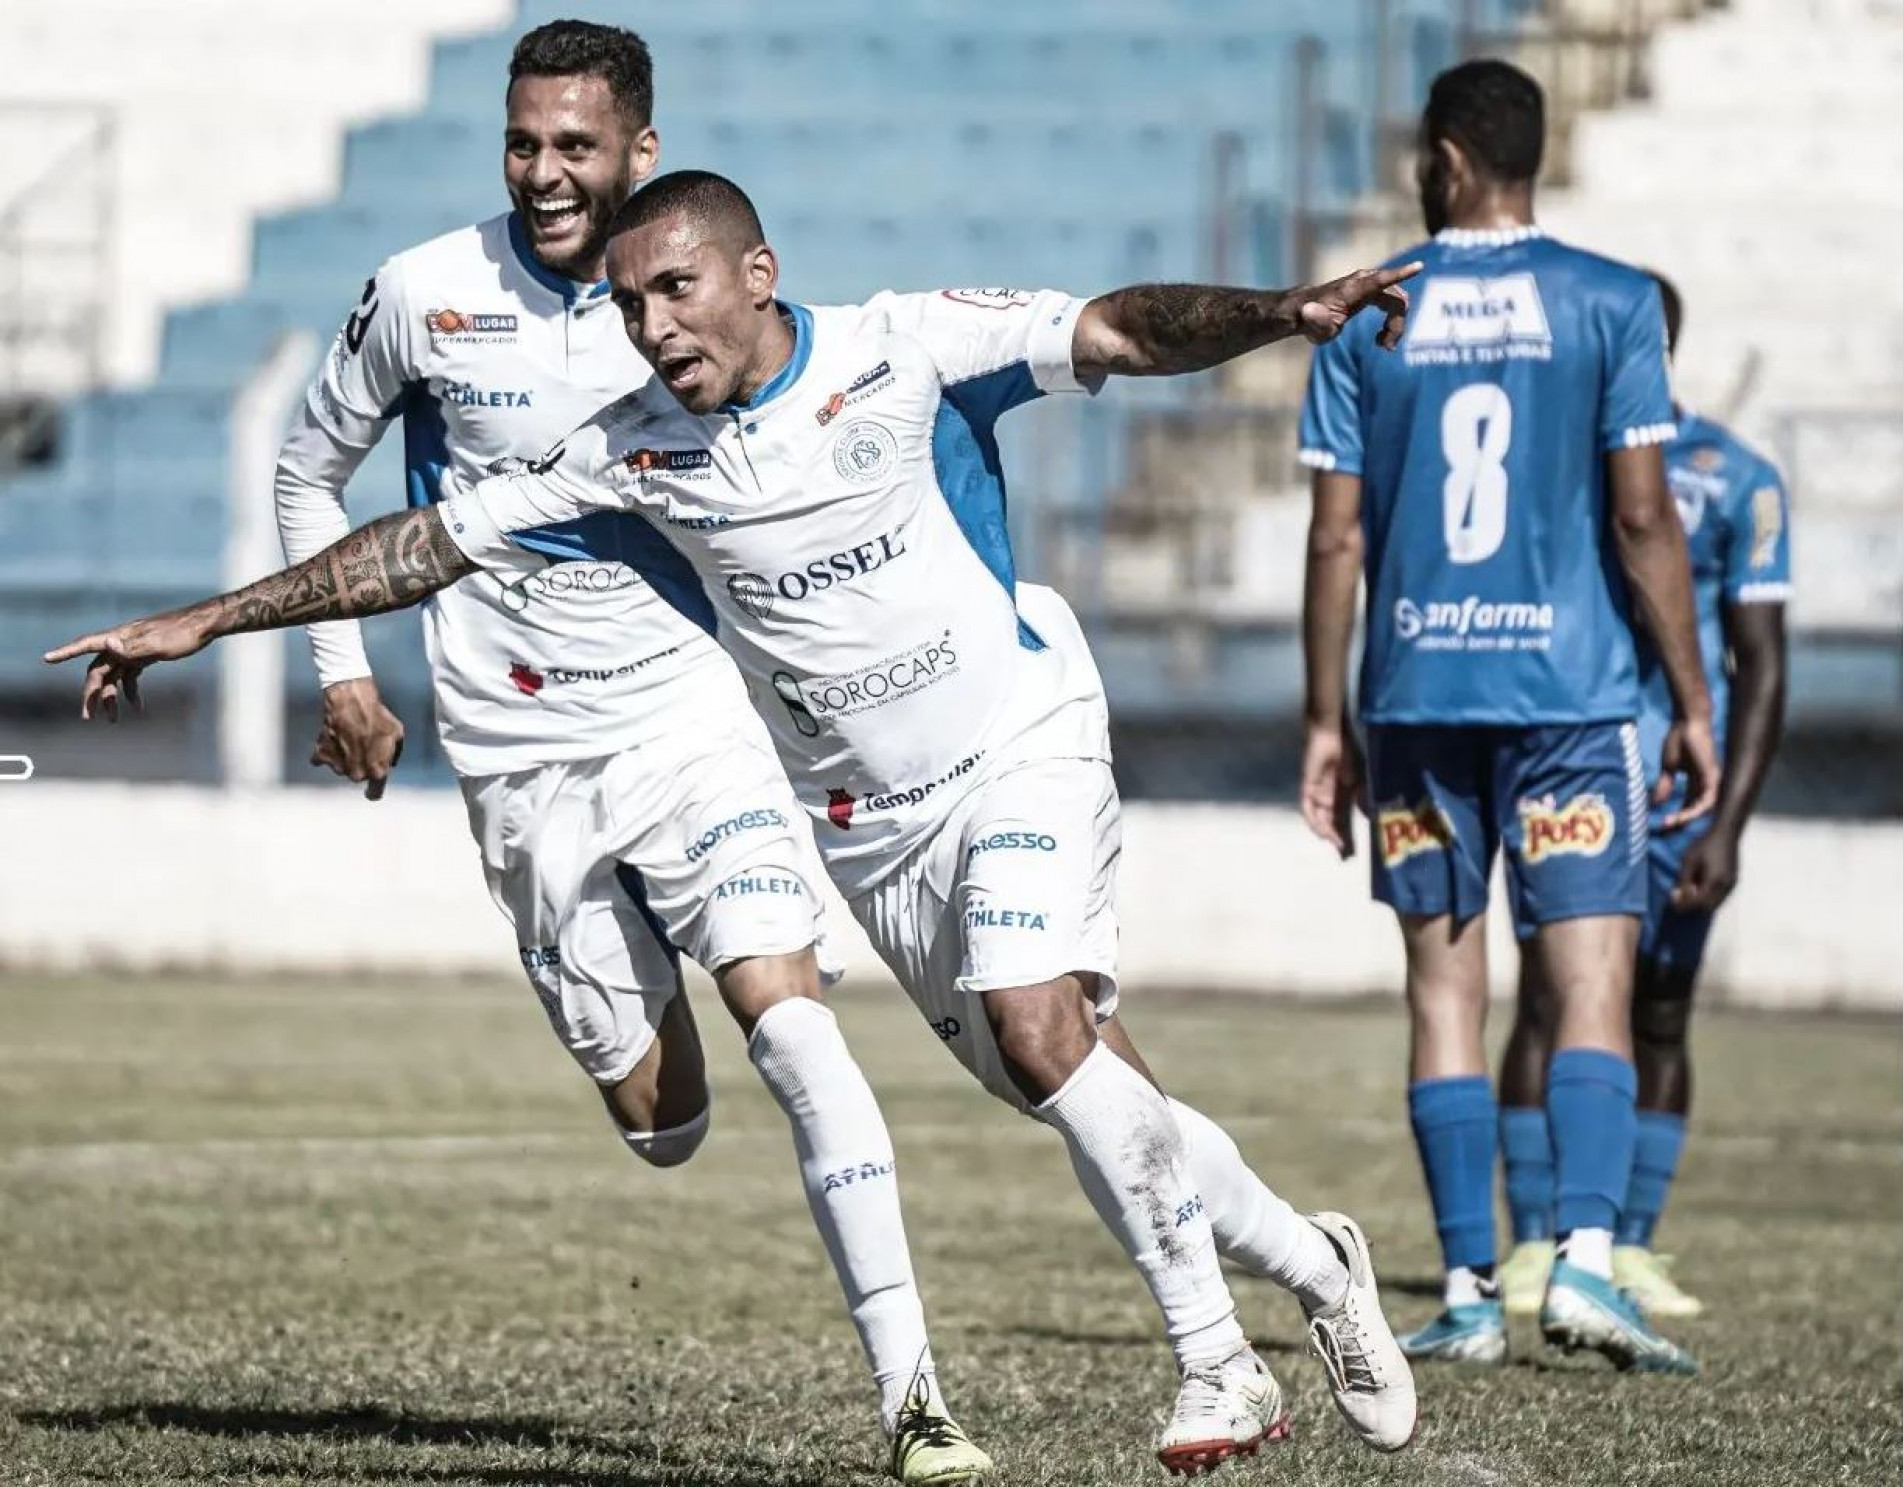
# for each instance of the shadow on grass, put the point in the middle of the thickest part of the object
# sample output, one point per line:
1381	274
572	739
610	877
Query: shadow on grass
1077	1338
637	1462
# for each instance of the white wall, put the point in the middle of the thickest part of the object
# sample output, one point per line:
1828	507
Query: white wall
1212	897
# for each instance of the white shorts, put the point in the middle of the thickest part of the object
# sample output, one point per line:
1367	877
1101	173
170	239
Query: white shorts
610	868
1016	888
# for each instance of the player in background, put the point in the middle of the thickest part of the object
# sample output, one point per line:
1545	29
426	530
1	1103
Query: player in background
832	476
1501	483
622	792
1737	526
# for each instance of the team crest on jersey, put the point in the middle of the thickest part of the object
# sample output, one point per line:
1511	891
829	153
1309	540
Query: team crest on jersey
1463	319
1404	831
460	325
1767	525
864	452
1708	460
1690	494
1582	827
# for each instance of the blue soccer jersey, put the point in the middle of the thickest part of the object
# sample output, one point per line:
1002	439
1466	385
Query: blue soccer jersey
1738	530
1494	593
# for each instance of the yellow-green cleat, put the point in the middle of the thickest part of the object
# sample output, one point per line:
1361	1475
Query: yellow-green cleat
928	1446
1647	1279
1523	1274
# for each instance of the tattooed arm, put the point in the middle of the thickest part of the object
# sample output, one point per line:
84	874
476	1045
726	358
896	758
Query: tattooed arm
1160	330
387	564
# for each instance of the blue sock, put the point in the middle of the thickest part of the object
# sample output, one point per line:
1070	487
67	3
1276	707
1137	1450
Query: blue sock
1591	1106
1526	1150
1654	1164
1454	1124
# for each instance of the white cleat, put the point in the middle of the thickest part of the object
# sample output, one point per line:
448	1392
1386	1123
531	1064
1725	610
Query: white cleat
1368	1373
1222	1410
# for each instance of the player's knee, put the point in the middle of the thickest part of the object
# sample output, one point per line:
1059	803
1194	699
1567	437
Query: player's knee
672	1145
1661	1010
1043	1033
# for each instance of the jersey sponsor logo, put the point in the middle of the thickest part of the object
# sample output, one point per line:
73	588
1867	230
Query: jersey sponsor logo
872	380
511	464
576	581
358	325
1463	319
983	916
1012	841
870	687
466	395
676	464
1404	831
757	594
1692	492
841	803
947	1028
705	521
1583	827
864	452
1474	624
459	325
713	836
1767	526
532	683
541	957
761	885
989	299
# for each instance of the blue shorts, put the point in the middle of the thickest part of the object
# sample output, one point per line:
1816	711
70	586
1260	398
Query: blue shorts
1672	937
1566	800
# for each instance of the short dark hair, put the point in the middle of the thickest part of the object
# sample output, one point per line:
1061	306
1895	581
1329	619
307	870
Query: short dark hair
1674	308
583	48
1494	112
713	199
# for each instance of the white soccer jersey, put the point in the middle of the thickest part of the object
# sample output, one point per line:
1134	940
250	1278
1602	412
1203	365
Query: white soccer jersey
488	358
847	526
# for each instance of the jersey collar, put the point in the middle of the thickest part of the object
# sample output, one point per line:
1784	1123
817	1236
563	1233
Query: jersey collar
1488	237
787	375
569	291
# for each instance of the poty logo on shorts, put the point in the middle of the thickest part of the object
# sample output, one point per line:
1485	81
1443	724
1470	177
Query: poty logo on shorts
1582	827
1012	841
713	836
1405	831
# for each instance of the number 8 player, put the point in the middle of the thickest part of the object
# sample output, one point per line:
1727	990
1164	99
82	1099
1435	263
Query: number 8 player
1502	482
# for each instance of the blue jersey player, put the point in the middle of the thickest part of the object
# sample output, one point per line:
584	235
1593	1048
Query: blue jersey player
1501	484
1737	527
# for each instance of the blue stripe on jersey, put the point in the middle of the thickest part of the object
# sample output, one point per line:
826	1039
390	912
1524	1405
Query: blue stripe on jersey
970	474
618	537
425	444
568	289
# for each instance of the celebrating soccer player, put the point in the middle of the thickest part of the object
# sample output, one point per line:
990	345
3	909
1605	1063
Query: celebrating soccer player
1500	481
619	785
1737	525
832	477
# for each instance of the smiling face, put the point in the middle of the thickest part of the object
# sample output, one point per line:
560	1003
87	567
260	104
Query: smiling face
698	305
571	156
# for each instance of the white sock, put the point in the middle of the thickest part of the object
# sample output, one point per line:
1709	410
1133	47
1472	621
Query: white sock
1590	1250
1254	1228
847	1166
1128	1155
1464	1287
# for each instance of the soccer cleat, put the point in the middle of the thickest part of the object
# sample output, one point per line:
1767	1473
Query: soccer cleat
1367	1371
1222	1410
1466	1332
929	1447
1523	1276
1584	1310
1647	1279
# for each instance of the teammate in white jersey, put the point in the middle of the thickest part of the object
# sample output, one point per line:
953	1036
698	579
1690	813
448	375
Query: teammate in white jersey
832	477
618	782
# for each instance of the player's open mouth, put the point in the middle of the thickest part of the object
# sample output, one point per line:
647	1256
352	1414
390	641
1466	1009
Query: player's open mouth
680	372
555	215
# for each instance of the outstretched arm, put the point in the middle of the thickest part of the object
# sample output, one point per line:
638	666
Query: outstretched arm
1161	330
387	564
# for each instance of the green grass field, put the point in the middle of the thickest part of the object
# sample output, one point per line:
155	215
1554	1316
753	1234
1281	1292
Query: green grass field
331	1232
